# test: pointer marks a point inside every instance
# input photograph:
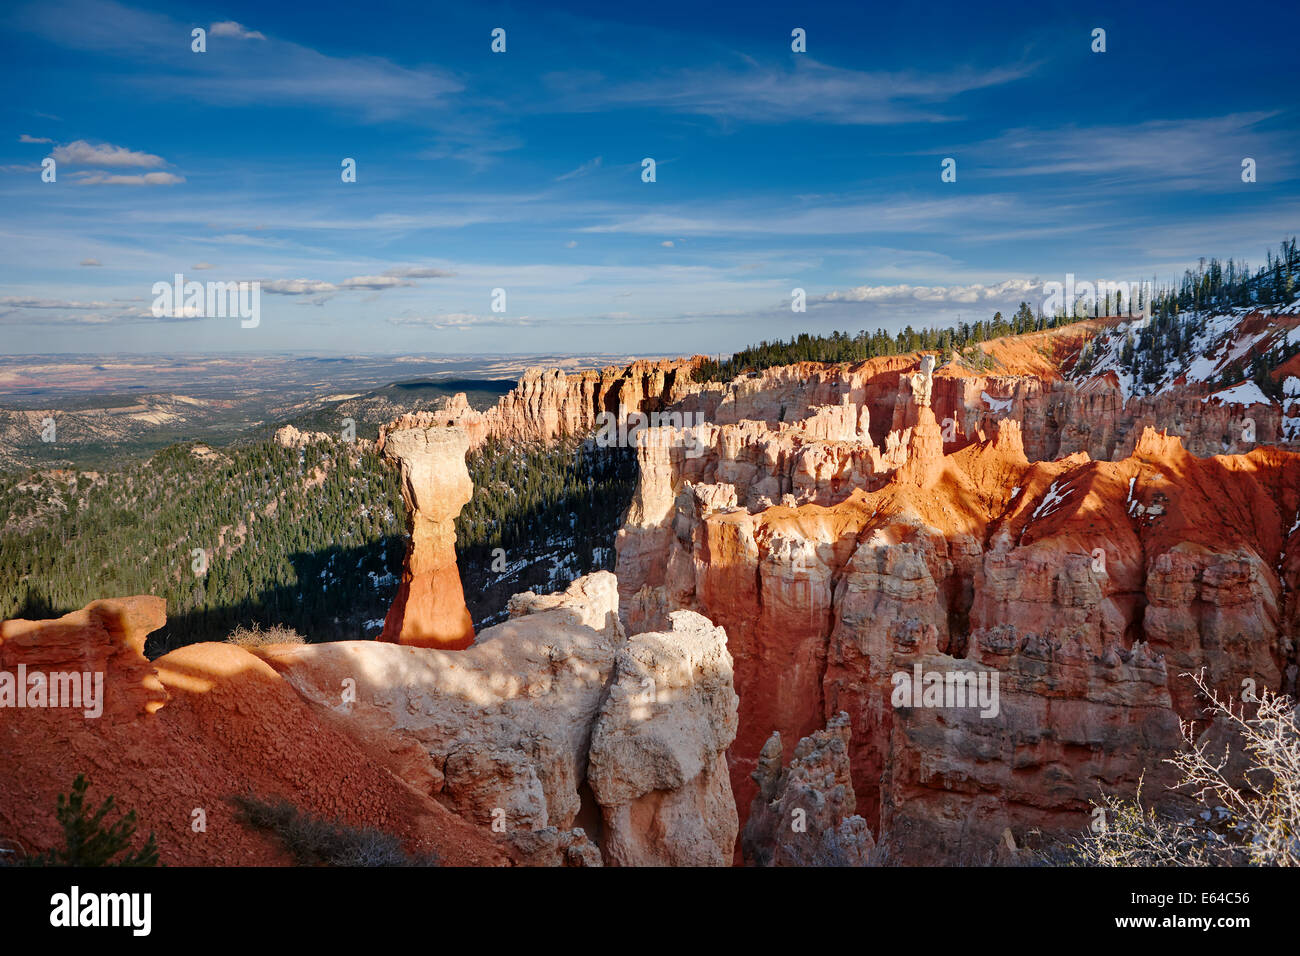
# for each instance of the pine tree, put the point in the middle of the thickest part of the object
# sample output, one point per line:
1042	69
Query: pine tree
87	842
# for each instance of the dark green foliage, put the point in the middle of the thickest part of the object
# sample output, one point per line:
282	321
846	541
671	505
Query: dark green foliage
88	842
270	519
1212	287
843	347
552	511
311	539
1178	315
1216	286
316	841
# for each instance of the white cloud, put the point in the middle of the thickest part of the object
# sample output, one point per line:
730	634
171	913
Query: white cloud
20	302
418	272
202	265
229	28
964	294
24	138
296	286
91	262
318	286
374	282
82	153
100	178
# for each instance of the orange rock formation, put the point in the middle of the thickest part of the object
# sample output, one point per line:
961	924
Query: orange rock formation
845	525
429	608
548	404
1087	585
180	736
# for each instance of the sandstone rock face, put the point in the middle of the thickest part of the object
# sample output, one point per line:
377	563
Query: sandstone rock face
1035	551
658	751
551	726
290	437
553	722
591	601
498	732
548	404
429	607
804	815
552	847
1086	586
1028	378
181	736
102	644
484	756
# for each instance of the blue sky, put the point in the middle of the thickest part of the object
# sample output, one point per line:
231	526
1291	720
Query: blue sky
522	170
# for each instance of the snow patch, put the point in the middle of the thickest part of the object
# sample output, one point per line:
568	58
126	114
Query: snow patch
1247	393
995	404
1051	501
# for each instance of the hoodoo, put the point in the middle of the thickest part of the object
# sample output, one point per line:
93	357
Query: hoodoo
429	608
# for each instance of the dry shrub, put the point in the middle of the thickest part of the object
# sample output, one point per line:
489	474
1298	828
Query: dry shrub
316	841
256	637
1248	811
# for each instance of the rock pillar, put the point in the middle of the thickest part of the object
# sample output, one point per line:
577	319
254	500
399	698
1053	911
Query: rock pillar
429	609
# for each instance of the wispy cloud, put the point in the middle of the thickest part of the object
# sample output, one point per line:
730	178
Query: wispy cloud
100	178
1192	153
965	294
375	282
21	302
272	72
418	272
296	286
589	166
460	321
808	91
826	217
478	146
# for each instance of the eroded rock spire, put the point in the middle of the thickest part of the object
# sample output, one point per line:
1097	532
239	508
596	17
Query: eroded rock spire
429	608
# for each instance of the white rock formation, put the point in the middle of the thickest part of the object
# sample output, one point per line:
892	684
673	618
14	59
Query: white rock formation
658	764
501	732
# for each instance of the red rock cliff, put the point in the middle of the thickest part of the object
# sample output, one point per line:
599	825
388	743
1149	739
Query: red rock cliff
1086	586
